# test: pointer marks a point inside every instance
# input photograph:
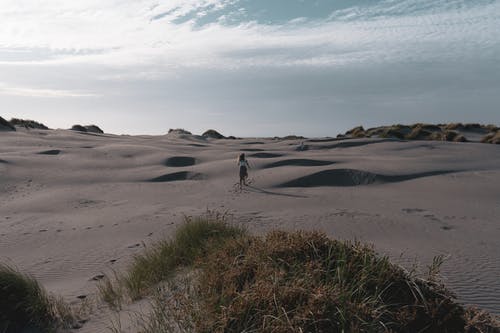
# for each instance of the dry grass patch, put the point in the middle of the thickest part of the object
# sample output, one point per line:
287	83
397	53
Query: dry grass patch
214	277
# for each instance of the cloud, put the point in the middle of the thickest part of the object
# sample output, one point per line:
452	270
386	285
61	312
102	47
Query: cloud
41	93
165	34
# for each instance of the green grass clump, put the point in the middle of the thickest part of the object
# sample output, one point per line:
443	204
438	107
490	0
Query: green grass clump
195	238
24	304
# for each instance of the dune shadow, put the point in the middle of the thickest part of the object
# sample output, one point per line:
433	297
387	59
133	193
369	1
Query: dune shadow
297	162
350	144
177	176
179	161
352	177
256	189
4	161
196	145
266	155
50	152
253	143
252	149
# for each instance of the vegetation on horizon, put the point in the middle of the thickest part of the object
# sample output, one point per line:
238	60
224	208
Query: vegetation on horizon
441	132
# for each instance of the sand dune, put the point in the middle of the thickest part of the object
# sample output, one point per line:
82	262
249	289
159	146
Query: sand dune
351	177
69	217
297	162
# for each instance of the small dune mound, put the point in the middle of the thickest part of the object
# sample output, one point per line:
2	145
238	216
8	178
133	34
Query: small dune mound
78	128
180	131
87	129
5	125
26	123
493	137
180	161
50	152
356	132
213	134
94	129
289	137
177	176
352	177
297	162
266	155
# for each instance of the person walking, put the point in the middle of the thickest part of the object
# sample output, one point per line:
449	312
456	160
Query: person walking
244	166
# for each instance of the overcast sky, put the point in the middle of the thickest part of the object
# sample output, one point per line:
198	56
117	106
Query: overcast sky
249	67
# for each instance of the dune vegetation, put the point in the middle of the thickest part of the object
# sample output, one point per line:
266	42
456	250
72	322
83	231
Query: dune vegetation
455	132
26	306
213	276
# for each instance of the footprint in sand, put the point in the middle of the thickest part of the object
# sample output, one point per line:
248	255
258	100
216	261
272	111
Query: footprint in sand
422	212
98	277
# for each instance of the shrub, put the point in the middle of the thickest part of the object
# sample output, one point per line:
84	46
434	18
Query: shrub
93	129
24	304
178	131
78	128
5	125
28	123
392	133
493	137
213	134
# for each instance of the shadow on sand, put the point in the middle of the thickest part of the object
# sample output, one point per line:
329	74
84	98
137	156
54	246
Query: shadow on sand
256	189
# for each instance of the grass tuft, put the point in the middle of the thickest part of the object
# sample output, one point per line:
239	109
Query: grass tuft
192	239
306	282
24	304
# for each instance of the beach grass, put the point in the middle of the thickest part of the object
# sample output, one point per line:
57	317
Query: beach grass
290	282
24	304
193	239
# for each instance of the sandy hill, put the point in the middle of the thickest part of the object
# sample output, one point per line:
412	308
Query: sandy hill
74	205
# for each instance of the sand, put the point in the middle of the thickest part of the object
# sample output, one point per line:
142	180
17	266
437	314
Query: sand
74	205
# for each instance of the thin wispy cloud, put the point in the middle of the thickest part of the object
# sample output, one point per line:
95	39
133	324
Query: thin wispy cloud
42	93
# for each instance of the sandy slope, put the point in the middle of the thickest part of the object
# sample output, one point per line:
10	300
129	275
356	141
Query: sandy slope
73	205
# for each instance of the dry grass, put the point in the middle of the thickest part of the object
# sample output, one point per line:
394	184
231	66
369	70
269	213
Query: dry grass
192	240
25	305
306	282
493	137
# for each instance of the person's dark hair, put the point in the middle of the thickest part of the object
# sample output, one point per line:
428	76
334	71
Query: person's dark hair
242	157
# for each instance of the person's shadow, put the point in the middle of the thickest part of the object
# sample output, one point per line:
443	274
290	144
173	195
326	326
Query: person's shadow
256	189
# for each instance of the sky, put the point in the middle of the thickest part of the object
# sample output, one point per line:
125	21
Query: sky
249	67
